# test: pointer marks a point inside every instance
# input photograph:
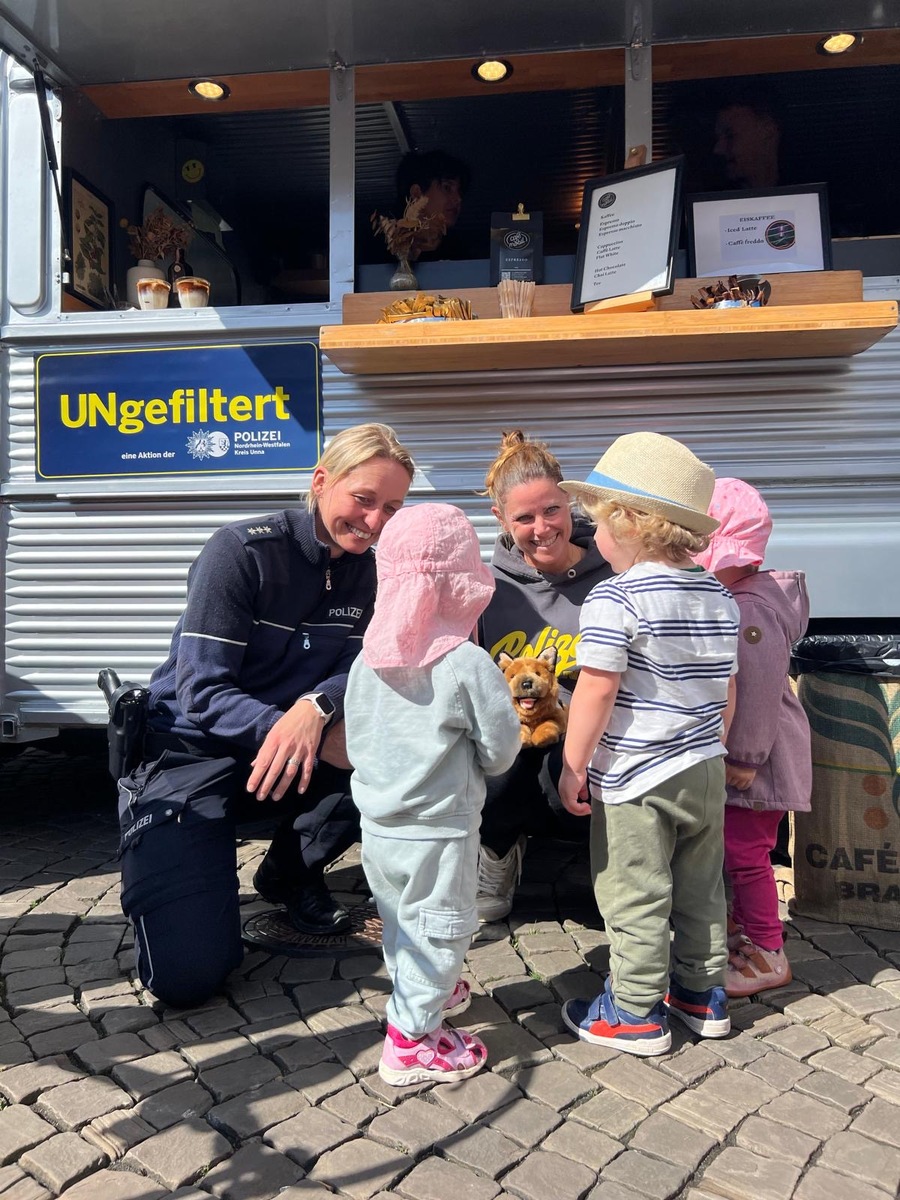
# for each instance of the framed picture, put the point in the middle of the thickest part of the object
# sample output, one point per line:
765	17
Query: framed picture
759	232
627	237
90	242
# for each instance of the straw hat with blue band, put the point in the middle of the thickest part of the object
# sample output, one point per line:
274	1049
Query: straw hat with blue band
652	473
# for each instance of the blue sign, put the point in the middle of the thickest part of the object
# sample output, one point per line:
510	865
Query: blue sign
198	409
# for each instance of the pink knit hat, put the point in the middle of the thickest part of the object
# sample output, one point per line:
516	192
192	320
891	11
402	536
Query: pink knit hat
432	587
744	527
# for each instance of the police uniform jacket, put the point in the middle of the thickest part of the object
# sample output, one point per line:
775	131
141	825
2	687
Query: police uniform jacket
270	617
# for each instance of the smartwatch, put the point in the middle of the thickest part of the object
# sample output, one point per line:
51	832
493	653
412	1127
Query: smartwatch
321	704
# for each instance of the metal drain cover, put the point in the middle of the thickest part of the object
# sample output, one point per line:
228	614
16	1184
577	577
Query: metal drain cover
273	931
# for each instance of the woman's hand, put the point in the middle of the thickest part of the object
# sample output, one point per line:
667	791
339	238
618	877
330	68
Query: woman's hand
739	777
288	753
573	792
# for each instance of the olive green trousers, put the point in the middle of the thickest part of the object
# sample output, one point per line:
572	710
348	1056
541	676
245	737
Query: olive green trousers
659	858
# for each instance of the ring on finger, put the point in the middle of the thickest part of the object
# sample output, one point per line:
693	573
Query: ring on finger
293	762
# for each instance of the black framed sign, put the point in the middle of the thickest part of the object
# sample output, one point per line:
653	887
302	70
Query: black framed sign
90	239
627	238
763	232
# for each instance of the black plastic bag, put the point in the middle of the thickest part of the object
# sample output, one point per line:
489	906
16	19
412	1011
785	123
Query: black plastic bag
852	653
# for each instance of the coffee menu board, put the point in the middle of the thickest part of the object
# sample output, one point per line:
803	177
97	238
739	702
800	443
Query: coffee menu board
763	231
627	238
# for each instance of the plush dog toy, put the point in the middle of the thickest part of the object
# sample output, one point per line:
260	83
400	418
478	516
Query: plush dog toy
535	696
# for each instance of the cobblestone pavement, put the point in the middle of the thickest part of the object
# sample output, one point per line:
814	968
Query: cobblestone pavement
272	1087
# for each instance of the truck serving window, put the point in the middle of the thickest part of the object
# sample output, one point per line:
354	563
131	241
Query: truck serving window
254	186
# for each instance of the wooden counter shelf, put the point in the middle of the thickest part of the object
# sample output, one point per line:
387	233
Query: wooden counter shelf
841	326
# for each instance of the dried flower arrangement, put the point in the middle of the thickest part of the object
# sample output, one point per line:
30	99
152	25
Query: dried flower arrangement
407	236
158	236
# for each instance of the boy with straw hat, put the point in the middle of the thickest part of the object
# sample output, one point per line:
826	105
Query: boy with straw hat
657	654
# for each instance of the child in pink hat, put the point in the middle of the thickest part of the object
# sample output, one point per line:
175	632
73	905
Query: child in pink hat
428	715
768	768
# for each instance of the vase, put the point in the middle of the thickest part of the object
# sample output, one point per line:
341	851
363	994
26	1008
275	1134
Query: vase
403	278
145	269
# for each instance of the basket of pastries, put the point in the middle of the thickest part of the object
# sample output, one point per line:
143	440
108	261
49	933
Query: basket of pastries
424	307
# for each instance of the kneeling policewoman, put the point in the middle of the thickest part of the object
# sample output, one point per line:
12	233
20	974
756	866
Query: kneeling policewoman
249	704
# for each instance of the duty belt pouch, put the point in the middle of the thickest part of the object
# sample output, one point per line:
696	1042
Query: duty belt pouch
176	830
128	705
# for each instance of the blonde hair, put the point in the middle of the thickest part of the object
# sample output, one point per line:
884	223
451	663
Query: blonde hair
519	461
658	536
356	445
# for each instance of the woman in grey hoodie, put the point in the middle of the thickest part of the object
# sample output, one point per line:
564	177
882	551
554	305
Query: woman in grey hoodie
545	563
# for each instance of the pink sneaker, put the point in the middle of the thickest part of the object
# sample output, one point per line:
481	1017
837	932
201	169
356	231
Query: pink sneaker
445	1055
459	1000
752	969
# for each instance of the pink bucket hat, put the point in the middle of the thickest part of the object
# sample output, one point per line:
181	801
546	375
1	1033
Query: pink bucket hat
432	587
744	527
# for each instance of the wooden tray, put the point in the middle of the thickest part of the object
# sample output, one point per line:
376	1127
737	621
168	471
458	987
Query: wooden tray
611	339
553	299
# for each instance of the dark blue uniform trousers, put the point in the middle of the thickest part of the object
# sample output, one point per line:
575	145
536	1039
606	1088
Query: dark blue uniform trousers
178	815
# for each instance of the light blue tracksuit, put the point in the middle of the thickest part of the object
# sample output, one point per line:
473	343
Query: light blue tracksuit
419	789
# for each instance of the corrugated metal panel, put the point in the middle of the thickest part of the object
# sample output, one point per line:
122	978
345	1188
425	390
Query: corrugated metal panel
90	584
93	586
819	437
799	428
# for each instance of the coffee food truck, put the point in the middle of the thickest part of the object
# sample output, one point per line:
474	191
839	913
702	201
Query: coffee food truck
267	134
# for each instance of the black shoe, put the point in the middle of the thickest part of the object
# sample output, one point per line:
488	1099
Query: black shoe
313	909
270	884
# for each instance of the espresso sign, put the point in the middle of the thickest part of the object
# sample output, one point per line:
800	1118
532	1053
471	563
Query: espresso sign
626	242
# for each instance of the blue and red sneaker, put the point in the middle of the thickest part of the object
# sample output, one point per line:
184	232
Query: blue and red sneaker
603	1023
705	1013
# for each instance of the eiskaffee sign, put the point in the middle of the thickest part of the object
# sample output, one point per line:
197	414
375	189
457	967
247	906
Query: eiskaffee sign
198	409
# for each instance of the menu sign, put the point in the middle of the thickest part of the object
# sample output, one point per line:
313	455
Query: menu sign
626	242
766	232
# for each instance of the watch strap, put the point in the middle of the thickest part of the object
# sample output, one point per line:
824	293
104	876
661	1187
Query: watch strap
326	709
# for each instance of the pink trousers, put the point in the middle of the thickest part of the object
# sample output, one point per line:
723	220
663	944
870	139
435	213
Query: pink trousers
750	837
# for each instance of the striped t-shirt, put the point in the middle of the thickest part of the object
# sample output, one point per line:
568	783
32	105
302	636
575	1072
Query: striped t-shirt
672	634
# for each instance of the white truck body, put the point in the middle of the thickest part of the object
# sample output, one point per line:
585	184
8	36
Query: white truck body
93	570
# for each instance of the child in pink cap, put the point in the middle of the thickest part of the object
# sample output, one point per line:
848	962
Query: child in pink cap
428	715
768	768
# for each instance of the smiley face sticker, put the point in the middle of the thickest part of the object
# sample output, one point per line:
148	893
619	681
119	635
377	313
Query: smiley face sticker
193	170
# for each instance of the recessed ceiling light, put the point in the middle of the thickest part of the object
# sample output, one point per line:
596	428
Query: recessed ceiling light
838	43
492	70
209	89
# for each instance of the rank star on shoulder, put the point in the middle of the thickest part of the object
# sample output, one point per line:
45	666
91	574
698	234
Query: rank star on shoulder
259	528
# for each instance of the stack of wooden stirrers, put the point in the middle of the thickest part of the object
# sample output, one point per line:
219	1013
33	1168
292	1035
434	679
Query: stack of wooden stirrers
516	297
